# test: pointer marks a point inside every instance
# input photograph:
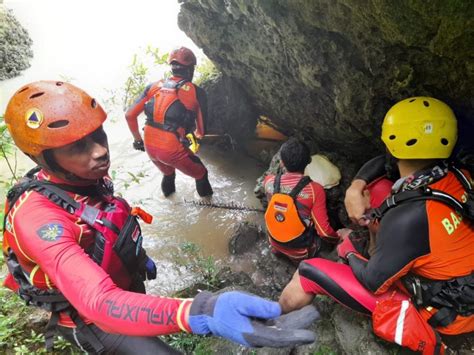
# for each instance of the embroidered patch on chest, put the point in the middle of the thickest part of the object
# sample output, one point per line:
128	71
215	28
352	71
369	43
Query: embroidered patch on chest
50	232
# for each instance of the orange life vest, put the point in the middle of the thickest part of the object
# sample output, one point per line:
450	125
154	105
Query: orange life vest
282	219
169	113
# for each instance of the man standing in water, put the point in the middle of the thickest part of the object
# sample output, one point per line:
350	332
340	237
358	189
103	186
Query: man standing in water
75	249
174	108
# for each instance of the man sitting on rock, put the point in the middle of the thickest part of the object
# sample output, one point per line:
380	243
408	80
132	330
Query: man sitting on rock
419	280
296	217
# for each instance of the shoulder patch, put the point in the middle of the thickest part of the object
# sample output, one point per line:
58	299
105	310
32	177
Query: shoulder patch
186	87
50	232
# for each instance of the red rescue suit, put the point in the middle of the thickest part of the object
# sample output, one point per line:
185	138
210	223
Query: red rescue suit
50	244
163	145
425	238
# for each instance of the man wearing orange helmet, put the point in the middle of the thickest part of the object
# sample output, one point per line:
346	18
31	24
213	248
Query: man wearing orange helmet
419	280
174	108
75	250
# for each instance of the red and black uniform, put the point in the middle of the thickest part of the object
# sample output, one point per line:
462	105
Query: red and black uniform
311	206
426	238
163	145
53	247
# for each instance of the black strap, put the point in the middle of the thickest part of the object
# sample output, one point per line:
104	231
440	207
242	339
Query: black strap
86	331
51	331
417	195
443	317
305	180
465	209
276	183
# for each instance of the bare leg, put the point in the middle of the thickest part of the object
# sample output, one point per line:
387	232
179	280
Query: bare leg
293	296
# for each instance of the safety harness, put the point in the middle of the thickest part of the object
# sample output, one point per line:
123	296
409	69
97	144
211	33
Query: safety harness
451	297
169	113
117	249
283	221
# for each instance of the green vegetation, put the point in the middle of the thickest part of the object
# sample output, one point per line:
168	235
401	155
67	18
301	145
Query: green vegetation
189	343
15	324
206	71
204	267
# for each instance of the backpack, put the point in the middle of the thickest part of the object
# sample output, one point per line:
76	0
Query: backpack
284	224
169	113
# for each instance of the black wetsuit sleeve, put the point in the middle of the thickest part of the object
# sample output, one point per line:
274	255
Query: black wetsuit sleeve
202	99
372	169
403	236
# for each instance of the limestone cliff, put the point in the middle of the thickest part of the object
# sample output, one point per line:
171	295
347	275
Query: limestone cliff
15	45
328	70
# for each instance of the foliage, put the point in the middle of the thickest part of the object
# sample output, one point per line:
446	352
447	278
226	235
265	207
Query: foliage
206	71
15	323
139	73
7	149
189	343
200	265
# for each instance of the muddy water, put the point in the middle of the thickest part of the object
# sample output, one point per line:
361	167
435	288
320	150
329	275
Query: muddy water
232	176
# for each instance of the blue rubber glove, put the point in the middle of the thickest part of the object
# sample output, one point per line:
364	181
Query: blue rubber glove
250	320
150	269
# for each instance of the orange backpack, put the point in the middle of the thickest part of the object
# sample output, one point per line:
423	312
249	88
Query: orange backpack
282	219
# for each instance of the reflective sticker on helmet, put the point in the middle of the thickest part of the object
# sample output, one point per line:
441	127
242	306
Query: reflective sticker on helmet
34	118
50	232
428	128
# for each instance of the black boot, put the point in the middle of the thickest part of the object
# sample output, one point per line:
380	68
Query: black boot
203	187
167	184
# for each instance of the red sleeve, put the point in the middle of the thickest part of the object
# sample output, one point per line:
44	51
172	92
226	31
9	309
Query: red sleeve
136	109
320	215
87	286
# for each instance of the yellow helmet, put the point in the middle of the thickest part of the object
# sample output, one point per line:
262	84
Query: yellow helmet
420	128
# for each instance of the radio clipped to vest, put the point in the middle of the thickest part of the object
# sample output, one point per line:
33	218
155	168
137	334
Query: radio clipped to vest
283	222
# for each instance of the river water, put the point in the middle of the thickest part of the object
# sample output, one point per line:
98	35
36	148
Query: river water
91	43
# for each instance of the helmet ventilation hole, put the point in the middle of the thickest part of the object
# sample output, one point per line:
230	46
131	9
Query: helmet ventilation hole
426	103
58	124
392	137
411	142
26	88
412	100
59	83
38	94
93	103
444	141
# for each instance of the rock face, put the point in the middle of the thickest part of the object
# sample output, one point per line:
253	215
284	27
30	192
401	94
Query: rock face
328	70
15	46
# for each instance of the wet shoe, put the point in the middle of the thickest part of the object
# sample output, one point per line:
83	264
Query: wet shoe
203	187
167	184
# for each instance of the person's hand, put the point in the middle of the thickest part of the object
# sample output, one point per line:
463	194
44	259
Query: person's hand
343	233
357	202
250	320
139	145
345	248
150	268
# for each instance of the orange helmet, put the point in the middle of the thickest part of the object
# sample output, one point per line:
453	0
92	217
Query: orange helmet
183	56
51	114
